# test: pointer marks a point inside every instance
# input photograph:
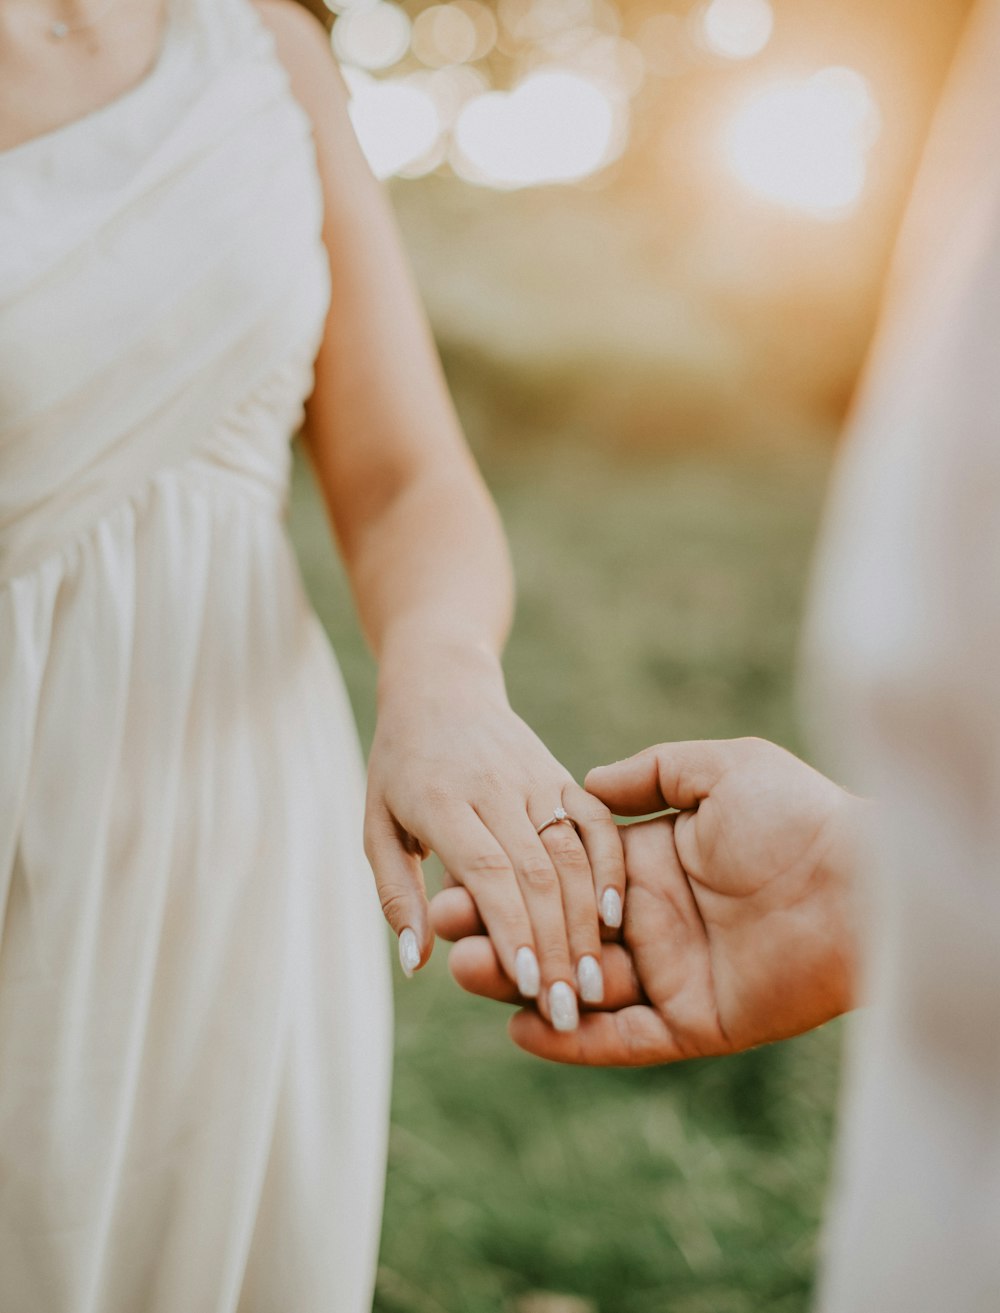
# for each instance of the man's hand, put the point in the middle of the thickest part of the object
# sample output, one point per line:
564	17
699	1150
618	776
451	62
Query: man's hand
738	916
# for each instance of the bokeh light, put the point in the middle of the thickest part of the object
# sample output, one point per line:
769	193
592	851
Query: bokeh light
533	92
345	6
555	126
443	35
804	144
450	88
372	36
397	123
736	29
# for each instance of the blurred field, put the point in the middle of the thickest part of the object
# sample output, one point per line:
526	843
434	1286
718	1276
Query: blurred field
659	598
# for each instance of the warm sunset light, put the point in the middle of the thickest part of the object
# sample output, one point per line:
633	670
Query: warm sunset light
804	144
556	126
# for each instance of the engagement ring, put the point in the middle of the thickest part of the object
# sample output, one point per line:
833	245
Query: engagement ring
560	814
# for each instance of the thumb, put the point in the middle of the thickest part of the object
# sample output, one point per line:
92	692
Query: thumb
668	775
399	878
454	914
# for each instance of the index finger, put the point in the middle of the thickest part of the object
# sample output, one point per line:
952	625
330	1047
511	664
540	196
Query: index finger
667	775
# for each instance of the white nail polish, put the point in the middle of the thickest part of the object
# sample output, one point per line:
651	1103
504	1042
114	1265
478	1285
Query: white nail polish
562	1007
590	978
409	952
611	908
527	973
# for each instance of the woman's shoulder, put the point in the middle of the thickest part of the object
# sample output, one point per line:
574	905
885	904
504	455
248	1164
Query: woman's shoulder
301	41
302	45
291	20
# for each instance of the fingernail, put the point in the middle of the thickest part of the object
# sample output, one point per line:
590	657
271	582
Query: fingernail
526	971
562	1007
590	978
409	952
611	908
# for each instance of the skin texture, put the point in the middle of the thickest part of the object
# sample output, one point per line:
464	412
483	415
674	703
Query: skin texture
452	768
739	915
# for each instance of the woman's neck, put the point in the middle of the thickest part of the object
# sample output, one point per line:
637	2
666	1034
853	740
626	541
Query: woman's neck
62	59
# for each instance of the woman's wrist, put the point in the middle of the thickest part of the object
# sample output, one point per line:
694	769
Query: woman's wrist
418	657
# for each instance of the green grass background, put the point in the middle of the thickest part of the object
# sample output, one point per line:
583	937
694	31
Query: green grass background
660	597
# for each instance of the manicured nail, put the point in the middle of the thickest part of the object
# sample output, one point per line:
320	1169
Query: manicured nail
526	971
611	908
590	979
409	952
562	1007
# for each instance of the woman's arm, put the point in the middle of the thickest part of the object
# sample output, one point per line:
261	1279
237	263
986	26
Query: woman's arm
452	768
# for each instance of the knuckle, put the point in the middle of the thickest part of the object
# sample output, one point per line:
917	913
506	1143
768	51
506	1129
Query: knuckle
567	851
485	865
395	900
553	962
506	926
538	874
582	923
491	782
437	797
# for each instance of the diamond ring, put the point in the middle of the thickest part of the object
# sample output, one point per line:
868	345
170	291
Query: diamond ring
560	814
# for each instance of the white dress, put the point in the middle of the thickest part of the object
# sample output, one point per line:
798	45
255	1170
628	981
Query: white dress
905	651
194	1005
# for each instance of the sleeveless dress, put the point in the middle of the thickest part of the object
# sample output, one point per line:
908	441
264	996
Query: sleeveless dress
905	657
194	992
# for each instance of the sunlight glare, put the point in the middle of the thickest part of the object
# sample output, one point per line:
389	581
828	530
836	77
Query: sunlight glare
737	29
804	144
450	88
396	122
556	126
444	35
372	36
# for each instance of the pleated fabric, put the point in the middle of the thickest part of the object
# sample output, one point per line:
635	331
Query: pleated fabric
194	1002
904	649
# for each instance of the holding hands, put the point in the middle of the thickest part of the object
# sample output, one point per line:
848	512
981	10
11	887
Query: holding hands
453	770
738	925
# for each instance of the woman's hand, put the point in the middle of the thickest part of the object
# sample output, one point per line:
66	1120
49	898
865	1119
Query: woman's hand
454	771
739	915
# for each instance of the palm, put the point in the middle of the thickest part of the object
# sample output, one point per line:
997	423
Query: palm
738	890
737	917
